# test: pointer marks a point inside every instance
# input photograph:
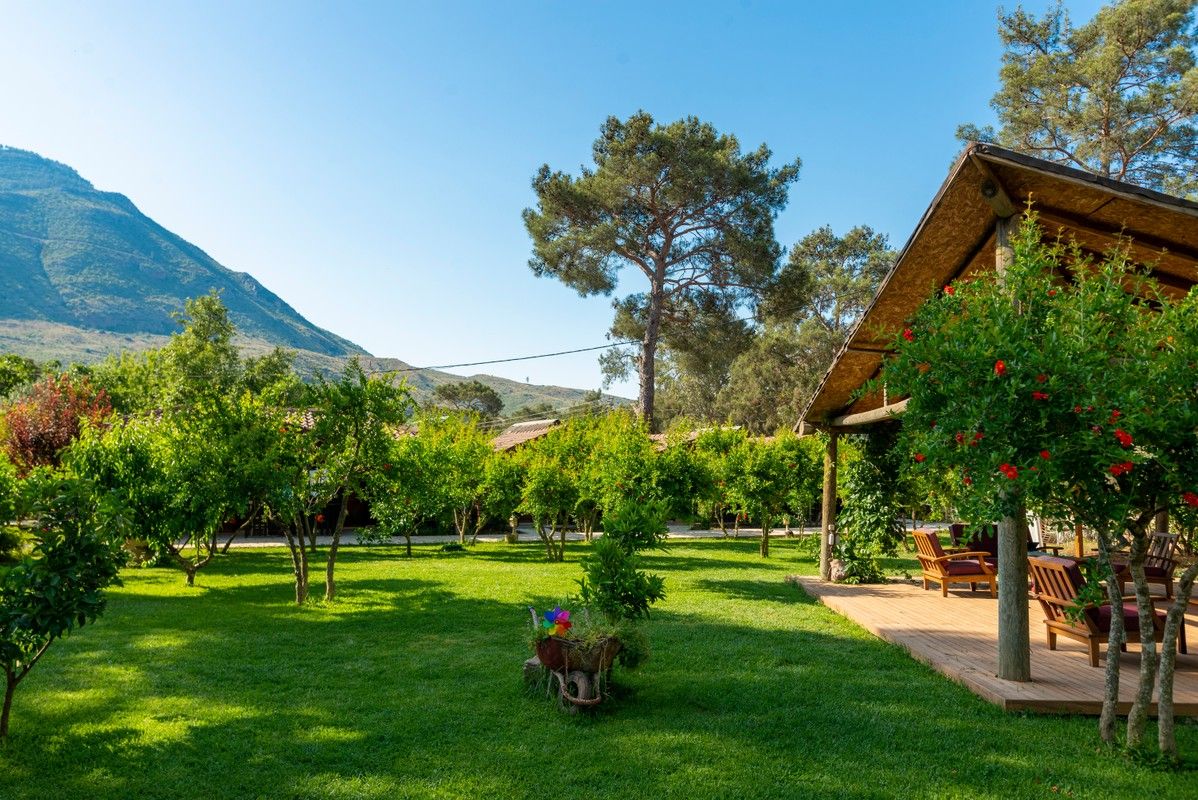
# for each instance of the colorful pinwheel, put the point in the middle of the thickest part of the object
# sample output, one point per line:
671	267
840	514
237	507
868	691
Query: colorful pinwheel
556	622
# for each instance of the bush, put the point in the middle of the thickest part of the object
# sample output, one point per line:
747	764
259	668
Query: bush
11	544
636	526
612	584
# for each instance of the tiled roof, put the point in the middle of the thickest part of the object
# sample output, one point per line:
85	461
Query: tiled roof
523	432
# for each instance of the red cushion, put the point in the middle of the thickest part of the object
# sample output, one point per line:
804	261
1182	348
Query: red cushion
1131	617
964	567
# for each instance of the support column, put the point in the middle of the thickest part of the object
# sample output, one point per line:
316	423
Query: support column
1079	541
1014	644
827	539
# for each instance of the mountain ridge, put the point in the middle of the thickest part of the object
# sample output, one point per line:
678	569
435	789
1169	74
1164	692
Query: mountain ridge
84	274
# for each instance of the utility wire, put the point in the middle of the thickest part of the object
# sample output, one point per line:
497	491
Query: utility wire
517	358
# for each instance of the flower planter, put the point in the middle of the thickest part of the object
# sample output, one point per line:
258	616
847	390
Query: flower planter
558	653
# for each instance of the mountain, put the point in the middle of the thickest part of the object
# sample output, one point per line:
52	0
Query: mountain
84	274
75	256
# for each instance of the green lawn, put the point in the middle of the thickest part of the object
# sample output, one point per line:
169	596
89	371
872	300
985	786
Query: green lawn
408	686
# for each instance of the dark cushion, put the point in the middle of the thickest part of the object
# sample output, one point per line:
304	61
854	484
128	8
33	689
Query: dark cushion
1150	571
963	566
991	561
1131	617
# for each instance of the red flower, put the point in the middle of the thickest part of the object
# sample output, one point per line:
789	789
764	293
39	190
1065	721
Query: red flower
949	290
1052	292
1115	415
960	437
1000	368
1123	436
1044	454
320	519
1190	499
1039	396
1010	471
1077	409
1119	469
920	457
977	437
908	335
968	481
1041	378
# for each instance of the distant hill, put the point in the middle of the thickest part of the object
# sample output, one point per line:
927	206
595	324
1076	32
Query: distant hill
84	274
75	256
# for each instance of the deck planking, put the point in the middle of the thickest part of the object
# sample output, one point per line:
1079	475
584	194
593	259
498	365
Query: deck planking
958	637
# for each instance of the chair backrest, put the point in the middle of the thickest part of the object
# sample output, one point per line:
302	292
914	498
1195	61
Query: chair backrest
956	533
927	544
1161	551
1057	582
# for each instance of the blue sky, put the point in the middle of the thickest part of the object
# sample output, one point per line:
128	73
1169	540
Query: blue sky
368	162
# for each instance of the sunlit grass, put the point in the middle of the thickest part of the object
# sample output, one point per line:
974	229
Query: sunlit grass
408	686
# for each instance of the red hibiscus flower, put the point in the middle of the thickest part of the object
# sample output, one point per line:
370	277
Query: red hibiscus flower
1000	368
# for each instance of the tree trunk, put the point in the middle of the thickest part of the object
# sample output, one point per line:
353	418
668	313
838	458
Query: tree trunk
765	535
330	585
296	534
1115	640
561	547
1173	622
1014	649
408	541
191	574
1137	718
10	687
828	510
647	367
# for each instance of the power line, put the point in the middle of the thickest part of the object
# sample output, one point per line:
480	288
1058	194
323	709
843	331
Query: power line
517	358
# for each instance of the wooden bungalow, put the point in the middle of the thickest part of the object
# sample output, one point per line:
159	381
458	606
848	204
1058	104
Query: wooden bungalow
966	231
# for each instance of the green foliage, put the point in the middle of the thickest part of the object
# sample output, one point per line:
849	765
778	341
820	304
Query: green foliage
60	586
613	585
636	525
681	204
1011	391
16	372
1116	96
469	396
822	291
870	522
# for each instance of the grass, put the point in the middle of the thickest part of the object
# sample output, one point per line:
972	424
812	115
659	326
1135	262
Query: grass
408	686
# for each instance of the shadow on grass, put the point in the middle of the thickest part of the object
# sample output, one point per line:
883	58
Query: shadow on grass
409	687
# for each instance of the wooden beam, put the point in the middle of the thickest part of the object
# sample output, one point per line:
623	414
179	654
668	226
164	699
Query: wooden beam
993	191
827	537
862	418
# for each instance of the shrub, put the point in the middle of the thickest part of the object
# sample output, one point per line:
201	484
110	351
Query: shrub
637	525
612	584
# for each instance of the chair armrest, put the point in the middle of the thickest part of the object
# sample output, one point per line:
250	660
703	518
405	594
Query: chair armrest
967	554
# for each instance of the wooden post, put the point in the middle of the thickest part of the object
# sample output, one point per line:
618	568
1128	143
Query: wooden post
1079	541
1014	645
1162	522
828	513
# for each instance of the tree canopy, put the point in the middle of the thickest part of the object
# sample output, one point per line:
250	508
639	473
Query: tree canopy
680	203
1117	96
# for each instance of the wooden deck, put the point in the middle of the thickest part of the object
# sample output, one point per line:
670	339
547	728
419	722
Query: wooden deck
958	637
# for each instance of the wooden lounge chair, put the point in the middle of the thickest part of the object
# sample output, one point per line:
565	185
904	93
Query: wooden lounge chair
1056	584
945	568
1158	566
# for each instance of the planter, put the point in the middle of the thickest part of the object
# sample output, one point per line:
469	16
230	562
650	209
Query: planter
557	653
